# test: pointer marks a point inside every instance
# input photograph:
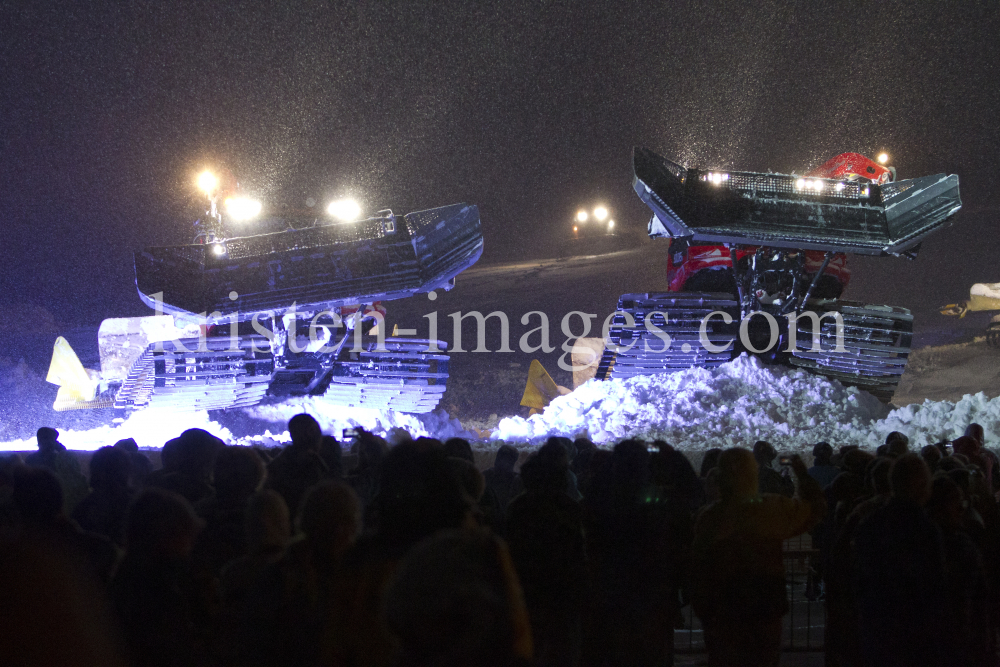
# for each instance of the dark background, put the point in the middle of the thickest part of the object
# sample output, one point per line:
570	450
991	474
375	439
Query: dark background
529	109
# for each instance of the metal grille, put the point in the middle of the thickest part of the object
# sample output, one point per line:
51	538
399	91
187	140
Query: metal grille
784	184
191	253
678	171
304	239
893	189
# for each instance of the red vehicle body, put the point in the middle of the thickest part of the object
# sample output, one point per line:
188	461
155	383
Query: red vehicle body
708	268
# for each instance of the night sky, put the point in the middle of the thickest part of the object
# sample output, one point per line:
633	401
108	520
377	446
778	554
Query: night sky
528	109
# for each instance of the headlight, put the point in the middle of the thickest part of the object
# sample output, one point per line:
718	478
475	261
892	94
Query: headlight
345	210
581	216
242	208
600	213
207	182
611	224
803	184
883	158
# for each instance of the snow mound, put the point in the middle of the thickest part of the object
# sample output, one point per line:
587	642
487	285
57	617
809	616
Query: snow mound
150	428
735	404
333	419
744	401
935	421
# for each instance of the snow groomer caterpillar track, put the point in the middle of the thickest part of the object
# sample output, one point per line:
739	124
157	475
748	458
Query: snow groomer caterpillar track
294	311
644	323
758	261
199	374
876	342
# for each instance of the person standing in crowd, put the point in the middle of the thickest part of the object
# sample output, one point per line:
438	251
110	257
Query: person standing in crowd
545	532
638	537
770	480
139	464
152	590
299	465
103	511
901	575
738	577
823	470
195	454
53	455
502	479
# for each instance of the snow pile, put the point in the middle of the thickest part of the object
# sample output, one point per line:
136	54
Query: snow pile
741	402
735	404
732	405
335	418
150	428
934	421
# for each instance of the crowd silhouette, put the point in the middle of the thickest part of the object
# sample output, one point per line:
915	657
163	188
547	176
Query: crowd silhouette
566	555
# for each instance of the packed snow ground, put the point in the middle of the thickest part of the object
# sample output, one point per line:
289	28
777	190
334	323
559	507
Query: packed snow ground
735	404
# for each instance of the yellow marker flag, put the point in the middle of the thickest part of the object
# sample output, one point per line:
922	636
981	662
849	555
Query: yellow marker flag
66	371
540	388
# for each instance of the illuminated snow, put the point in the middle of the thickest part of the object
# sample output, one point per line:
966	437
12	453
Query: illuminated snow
933	421
335	418
150	429
735	404
742	402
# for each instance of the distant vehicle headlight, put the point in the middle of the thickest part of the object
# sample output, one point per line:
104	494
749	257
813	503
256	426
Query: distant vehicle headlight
581	216
600	213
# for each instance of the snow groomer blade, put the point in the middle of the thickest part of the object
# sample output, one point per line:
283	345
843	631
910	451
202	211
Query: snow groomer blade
315	268
788	211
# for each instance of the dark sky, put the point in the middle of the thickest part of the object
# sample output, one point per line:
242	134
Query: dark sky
528	109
